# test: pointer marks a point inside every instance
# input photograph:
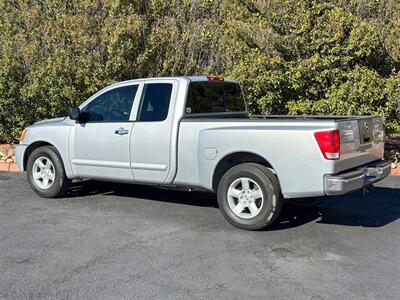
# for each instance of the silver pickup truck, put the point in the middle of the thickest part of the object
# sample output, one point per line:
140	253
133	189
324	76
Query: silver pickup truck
196	133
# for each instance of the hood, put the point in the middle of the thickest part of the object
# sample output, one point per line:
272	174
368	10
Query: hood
50	121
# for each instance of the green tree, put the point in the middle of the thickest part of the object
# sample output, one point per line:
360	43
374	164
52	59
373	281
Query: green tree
296	57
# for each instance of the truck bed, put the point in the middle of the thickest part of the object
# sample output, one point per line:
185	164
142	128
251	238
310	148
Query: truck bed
244	116
286	142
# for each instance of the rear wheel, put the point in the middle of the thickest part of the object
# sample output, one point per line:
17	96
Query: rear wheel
306	202
46	173
249	196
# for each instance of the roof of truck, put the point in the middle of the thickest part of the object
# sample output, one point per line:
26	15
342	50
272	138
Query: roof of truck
191	78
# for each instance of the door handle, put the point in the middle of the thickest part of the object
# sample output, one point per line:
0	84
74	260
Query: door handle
121	131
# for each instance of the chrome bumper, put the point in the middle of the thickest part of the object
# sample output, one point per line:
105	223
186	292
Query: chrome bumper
354	180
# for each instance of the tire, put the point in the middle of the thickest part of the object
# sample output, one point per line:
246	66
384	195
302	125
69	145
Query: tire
45	165
306	202
262	190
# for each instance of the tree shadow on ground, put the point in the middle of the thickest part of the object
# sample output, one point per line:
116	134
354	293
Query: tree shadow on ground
377	208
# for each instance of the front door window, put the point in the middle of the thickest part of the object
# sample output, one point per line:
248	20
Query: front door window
112	106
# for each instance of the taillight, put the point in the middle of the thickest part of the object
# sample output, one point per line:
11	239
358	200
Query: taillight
216	78
329	143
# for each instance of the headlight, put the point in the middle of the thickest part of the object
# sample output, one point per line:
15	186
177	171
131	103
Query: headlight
23	135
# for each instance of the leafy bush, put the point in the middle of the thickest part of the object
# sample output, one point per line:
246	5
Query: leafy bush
296	57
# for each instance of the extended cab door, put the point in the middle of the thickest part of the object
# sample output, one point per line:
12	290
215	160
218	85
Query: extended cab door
151	135
99	146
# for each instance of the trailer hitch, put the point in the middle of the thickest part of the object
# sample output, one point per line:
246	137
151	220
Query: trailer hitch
368	188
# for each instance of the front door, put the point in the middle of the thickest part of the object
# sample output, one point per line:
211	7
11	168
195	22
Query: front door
100	145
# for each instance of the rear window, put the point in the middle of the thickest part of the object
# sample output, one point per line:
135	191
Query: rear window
214	97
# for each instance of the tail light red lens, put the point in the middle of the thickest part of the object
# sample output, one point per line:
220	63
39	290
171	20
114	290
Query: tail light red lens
329	143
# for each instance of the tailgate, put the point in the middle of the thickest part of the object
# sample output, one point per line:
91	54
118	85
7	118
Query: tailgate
361	142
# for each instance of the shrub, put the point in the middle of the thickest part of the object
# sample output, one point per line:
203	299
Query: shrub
296	57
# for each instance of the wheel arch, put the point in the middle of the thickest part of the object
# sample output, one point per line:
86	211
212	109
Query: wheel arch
32	147
235	158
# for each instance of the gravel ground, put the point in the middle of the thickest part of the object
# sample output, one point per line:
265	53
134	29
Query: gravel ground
124	241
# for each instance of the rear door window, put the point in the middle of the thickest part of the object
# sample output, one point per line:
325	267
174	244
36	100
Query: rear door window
155	103
214	97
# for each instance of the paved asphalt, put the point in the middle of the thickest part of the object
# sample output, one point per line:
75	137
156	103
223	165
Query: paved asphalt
123	241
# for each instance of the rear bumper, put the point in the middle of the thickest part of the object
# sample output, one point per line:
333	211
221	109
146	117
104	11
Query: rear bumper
357	179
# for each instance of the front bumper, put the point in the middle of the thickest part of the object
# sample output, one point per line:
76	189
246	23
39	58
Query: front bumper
357	179
19	155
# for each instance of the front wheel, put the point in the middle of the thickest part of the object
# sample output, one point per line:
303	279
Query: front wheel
46	174
249	196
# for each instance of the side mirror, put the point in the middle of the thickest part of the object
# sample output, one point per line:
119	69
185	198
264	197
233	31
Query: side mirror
75	113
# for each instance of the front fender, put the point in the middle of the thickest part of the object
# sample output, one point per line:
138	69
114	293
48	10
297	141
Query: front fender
56	136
